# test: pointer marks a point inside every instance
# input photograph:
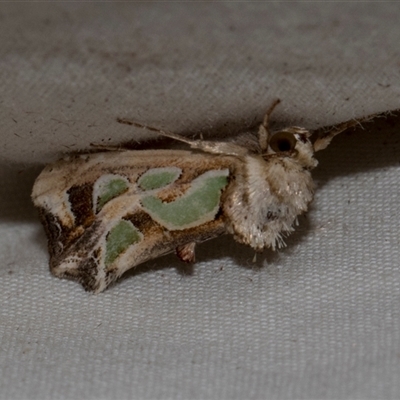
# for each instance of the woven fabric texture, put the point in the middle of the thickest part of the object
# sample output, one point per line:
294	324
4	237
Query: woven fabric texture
319	319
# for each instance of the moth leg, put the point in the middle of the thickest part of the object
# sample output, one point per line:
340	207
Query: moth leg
323	141
204	145
186	252
264	134
324	137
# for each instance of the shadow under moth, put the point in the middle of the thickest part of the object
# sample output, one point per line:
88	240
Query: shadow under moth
107	212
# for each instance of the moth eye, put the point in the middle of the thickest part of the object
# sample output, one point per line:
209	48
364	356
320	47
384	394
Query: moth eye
283	141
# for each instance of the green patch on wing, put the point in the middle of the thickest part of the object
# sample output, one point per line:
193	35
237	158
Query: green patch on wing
123	235
108	188
157	178
199	204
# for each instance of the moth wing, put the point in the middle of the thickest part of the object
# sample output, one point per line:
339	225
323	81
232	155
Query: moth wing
107	212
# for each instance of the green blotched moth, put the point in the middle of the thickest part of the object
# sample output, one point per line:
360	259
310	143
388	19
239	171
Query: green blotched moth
107	212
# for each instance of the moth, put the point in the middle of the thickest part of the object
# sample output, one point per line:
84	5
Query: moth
109	211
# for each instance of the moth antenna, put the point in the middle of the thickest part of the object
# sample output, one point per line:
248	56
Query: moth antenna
206	146
106	147
157	130
324	137
264	133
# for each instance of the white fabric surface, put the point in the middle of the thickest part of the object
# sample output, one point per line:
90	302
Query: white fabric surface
318	320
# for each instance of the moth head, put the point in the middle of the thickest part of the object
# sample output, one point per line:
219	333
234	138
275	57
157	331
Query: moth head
293	142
